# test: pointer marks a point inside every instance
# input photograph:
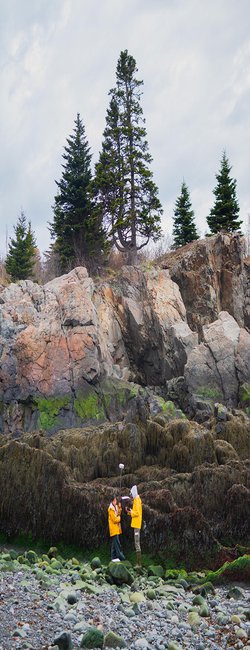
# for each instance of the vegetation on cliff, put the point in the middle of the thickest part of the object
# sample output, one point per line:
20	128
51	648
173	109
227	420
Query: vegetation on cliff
184	229
77	231
20	259
126	195
225	213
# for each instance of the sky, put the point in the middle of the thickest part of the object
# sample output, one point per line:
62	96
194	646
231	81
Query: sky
58	58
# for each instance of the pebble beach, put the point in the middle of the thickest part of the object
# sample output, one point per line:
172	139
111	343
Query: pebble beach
73	606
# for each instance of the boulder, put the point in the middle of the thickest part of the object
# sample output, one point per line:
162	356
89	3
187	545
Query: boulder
216	367
213	277
93	638
119	573
113	640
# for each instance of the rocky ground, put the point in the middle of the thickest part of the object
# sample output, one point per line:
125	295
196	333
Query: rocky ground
44	600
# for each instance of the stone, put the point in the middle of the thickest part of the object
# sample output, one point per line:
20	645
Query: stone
141	643
72	598
204	611
156	570
236	593
194	619
113	640
95	563
63	641
93	638
137	597
240	633
120	573
236	619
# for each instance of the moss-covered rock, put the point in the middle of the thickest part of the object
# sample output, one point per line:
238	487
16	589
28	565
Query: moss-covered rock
31	557
137	597
120	573
175	574
156	570
52	552
93	638
95	563
238	570
89	407
49	410
113	640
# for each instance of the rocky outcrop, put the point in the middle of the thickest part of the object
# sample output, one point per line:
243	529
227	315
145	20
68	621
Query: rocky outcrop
212	277
60	487
219	365
61	343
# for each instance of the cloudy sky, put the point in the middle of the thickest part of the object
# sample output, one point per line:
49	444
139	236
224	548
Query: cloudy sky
58	58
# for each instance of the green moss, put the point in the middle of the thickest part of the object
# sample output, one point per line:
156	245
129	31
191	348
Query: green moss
239	569
209	392
116	394
49	409
169	409
245	393
89	407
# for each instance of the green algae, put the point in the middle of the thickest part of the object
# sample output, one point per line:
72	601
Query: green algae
49	409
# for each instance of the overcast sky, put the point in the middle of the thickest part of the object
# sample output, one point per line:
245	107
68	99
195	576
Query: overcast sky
59	57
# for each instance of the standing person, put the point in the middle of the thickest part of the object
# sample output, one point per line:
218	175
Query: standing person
115	529
136	522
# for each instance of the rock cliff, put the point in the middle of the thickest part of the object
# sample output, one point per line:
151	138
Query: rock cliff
187	317
88	372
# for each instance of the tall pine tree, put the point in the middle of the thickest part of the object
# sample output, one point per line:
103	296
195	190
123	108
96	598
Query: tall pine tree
184	230
76	228
126	195
21	255
224	215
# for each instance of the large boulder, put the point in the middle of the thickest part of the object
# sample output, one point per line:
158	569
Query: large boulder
221	363
62	345
212	277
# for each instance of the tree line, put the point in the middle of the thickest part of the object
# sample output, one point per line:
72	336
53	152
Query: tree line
119	206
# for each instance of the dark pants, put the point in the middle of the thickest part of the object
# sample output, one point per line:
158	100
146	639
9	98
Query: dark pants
116	549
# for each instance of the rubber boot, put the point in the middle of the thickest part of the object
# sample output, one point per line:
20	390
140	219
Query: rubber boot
138	561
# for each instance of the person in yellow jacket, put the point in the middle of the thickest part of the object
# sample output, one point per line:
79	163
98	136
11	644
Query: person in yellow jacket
136	522
115	529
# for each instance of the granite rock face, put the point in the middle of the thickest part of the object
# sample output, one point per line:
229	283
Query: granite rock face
62	340
212	276
219	365
57	337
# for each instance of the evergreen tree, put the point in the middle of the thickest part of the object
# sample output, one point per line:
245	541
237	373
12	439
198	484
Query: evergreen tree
76	228
224	215
184	230
126	195
21	255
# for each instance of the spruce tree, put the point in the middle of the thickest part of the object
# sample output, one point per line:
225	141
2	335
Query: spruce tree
184	230
224	215
126	195
21	255
76	228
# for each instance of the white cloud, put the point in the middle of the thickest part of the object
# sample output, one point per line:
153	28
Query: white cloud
59	57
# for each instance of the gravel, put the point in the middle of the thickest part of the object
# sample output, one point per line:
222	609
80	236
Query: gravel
33	612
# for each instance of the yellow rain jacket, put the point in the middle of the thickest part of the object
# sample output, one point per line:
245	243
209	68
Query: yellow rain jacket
136	512
114	519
